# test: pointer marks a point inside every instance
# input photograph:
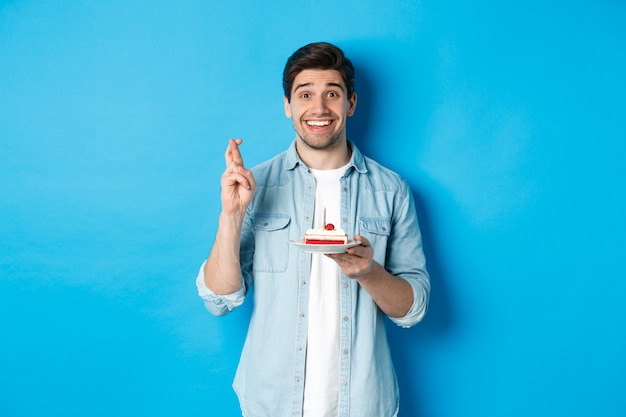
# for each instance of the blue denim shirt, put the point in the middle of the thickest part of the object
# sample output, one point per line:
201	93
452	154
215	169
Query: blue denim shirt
375	203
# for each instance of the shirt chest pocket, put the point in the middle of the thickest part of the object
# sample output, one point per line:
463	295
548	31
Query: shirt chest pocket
377	231
271	242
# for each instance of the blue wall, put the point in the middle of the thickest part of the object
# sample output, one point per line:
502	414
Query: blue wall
508	120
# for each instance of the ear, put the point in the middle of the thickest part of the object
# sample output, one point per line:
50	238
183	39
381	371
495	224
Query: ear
351	105
287	107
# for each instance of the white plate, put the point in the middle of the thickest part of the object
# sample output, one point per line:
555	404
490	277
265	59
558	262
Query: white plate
324	248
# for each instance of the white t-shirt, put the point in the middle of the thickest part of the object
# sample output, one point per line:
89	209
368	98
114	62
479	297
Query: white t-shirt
321	389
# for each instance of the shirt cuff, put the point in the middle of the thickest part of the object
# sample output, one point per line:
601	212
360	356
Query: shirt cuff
418	308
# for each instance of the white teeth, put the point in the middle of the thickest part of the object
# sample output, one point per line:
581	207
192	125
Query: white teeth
318	122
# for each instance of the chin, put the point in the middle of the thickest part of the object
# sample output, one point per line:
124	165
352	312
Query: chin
320	143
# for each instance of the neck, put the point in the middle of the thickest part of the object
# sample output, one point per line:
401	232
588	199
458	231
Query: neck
322	159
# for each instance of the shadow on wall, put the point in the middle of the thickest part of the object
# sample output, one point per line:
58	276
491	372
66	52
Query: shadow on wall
358	124
407	345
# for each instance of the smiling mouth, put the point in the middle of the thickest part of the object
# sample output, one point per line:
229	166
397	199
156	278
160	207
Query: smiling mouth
318	123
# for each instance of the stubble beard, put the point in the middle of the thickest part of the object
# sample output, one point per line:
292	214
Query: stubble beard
321	143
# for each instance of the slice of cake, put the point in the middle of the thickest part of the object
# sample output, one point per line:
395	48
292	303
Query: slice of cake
326	235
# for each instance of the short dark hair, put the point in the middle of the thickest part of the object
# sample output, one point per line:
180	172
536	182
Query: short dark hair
318	55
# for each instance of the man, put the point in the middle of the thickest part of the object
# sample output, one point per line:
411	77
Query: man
316	345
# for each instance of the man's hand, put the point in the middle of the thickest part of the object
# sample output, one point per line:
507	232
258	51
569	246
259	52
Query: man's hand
222	270
392	294
237	182
356	262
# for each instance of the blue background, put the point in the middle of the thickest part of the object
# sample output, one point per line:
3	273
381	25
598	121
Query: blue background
508	119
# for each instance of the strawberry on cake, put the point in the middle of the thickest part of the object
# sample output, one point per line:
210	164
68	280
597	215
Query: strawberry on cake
326	235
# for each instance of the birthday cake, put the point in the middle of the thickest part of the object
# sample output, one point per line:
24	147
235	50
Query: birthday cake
325	235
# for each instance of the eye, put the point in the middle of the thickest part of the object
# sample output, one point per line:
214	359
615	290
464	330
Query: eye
332	94
304	95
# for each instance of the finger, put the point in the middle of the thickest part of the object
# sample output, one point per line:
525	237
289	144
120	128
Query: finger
232	168
232	150
341	262
235	174
364	250
247	174
236	180
233	154
357	251
364	241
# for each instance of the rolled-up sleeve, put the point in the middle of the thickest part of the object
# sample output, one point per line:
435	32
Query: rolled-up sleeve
405	257
421	292
219	305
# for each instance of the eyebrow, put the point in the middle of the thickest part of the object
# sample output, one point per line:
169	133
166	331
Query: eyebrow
338	85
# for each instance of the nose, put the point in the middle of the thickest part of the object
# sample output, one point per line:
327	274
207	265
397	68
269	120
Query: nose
320	106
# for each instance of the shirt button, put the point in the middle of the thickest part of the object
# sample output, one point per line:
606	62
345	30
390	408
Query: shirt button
345	285
345	220
344	383
297	380
345	351
303	282
301	315
345	318
345	189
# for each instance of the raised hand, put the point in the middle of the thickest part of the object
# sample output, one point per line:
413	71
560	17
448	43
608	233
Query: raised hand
237	182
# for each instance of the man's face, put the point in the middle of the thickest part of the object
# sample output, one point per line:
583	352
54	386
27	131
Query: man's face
319	108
